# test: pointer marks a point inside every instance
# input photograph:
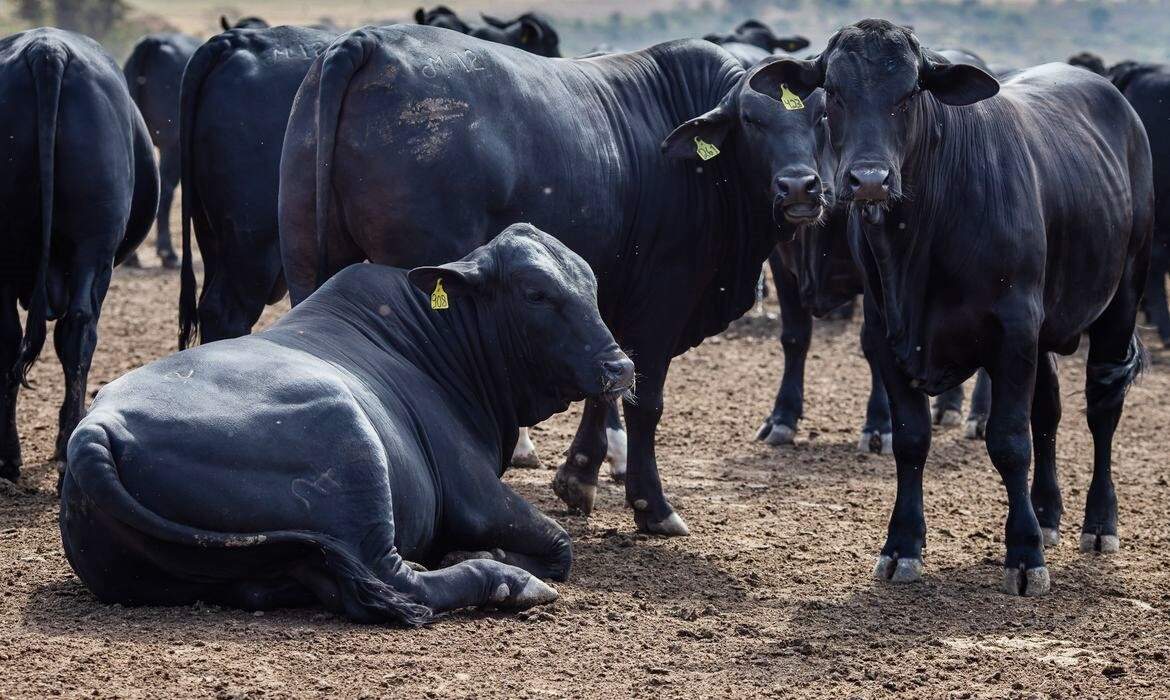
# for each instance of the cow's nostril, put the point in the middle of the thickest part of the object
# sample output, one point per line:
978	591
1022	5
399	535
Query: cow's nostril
813	185
854	182
782	187
618	372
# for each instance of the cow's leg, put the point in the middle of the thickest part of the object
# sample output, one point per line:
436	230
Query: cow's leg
948	408
1116	357
900	560
495	523
779	428
652	512
1155	296
1010	447
1046	410
616	446
75	339
980	407
524	453
576	479
877	433
169	174
10	336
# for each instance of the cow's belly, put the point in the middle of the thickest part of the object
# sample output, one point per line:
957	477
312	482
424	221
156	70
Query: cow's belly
241	437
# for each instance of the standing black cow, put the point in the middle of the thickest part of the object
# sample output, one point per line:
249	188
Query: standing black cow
989	237
236	97
154	72
1147	87
367	428
79	190
530	31
443	137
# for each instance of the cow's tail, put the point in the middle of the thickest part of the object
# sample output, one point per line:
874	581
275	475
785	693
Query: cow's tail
205	58
1108	383
46	61
339	63
92	468
135	68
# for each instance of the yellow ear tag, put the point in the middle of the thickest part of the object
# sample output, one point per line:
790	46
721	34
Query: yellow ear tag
706	151
789	99
439	297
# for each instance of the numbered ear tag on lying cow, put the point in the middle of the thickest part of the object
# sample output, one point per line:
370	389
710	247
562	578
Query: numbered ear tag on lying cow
706	151
439	297
790	99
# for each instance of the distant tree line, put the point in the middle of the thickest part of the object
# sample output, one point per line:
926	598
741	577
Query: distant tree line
96	18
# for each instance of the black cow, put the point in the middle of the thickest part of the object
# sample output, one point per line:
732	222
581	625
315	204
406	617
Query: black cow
236	98
154	72
250	22
367	428
78	193
530	31
990	237
437	145
755	33
1147	87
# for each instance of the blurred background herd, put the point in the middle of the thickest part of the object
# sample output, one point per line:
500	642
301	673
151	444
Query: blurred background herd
1005	32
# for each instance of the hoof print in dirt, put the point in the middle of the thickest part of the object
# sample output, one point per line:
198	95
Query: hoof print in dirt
874	442
1101	544
776	433
1026	582
575	493
897	570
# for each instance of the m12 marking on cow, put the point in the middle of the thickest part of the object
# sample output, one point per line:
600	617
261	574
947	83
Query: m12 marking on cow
790	99
439	297
317	485
468	59
180	375
705	150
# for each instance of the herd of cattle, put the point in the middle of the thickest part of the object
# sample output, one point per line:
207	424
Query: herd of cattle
351	454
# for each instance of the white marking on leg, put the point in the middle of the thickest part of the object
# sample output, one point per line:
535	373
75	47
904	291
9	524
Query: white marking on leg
1051	536
616	452
524	455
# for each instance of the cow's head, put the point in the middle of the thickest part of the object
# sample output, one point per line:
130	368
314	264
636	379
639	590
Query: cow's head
1089	61
874	74
780	140
546	297
529	31
252	22
760	35
441	16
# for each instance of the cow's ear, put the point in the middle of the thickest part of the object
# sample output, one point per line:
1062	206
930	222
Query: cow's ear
957	84
798	76
420	16
700	137
531	33
789	44
459	278
223	22
494	21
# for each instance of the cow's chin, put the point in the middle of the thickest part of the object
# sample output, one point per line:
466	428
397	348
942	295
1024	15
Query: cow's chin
797	213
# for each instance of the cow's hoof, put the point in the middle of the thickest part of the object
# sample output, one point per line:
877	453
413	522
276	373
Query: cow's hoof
575	493
671	526
524	454
775	434
1103	544
616	454
169	260
897	569
10	469
948	418
535	592
875	442
132	261
1051	536
1026	582
976	429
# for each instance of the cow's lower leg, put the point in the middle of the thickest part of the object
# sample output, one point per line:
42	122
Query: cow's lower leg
576	479
652	512
524	453
616	443
169	174
75	339
496	523
10	336
779	427
1046	410
947	411
877	433
980	407
1154	299
1010	447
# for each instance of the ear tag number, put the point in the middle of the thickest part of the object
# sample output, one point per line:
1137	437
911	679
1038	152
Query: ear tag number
789	99
439	297
706	151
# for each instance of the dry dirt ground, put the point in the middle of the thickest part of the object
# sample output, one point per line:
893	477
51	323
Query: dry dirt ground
770	596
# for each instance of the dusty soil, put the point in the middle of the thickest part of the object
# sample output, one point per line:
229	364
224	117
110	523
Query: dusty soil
771	594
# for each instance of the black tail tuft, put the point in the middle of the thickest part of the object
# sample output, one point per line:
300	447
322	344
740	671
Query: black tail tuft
1106	384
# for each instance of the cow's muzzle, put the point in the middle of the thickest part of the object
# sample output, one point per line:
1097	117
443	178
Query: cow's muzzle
617	377
800	198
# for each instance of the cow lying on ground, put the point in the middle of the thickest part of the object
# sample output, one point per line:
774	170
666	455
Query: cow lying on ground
236	97
988	240
437	145
530	31
367	429
78	192
1147	87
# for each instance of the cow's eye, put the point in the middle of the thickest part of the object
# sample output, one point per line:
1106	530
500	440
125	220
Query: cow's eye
535	296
